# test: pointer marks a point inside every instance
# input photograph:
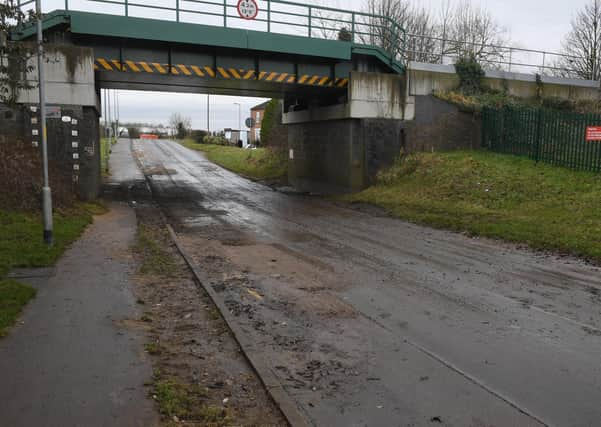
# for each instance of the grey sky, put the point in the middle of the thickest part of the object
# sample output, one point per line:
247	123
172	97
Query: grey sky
532	24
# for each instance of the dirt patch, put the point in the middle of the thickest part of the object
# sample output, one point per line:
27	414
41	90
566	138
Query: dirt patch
201	377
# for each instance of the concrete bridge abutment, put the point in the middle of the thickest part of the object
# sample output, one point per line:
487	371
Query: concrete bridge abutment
73	126
340	148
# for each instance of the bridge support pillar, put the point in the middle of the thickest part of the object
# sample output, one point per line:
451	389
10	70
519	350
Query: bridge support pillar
341	148
73	119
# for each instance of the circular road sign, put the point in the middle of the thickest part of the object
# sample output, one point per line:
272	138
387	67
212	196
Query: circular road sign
248	9
250	122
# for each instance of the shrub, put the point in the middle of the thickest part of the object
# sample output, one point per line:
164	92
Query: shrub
470	74
345	35
215	140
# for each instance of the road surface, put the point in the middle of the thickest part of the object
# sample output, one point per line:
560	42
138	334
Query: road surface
371	321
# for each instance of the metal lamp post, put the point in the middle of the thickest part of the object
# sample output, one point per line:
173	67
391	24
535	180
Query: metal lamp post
46	192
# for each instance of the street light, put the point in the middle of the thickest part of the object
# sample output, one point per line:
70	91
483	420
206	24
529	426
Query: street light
46	192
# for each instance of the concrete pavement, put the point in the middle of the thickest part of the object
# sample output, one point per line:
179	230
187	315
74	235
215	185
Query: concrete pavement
77	358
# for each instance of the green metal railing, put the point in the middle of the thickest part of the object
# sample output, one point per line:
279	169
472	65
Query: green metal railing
275	16
554	137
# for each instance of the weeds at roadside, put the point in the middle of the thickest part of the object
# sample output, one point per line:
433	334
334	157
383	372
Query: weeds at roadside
179	400
155	259
153	348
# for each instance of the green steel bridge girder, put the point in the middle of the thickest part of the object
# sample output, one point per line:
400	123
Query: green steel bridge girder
205	52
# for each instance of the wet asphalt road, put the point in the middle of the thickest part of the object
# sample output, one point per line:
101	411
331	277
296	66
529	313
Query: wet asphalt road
446	330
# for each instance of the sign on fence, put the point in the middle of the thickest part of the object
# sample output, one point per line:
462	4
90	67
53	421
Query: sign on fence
593	133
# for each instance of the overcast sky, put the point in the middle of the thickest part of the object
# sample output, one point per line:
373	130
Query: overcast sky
533	24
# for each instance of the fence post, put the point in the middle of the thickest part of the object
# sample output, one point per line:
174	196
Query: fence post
310	20
66	4
539	125
225	13
126	8
176	10
269	16
353	28
544	61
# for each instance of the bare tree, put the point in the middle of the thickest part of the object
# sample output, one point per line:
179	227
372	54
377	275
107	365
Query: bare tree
421	40
460	30
471	31
582	45
400	28
180	126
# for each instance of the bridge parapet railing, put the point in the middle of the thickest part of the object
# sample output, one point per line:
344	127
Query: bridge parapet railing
275	16
438	50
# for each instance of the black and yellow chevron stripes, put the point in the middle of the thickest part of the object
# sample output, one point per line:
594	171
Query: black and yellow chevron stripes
102	64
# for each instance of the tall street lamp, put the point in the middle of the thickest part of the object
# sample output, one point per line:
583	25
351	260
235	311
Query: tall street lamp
46	192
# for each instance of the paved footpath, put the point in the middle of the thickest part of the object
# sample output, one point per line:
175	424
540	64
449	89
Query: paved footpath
71	362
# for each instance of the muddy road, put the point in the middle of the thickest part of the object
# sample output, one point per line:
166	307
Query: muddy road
370	321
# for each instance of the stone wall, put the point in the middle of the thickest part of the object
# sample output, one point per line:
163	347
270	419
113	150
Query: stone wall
440	126
73	148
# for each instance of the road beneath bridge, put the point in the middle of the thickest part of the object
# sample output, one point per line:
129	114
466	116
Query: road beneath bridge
370	321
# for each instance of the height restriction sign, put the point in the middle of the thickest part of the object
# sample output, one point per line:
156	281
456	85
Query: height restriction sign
248	9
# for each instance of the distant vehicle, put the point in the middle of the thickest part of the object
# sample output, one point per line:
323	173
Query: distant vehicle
148	136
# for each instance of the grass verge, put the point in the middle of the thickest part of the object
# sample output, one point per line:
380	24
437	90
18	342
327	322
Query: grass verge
155	259
22	246
13	297
262	164
495	195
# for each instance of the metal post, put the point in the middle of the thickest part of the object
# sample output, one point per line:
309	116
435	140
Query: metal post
225	13
46	191
269	16
104	112
353	28
116	101
310	20
66	4
110	116
177	10
126	8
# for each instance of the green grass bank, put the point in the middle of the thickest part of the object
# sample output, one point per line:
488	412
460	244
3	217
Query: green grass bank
21	245
261	164
497	196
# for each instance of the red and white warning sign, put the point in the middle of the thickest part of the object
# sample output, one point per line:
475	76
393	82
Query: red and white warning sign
593	133
248	9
